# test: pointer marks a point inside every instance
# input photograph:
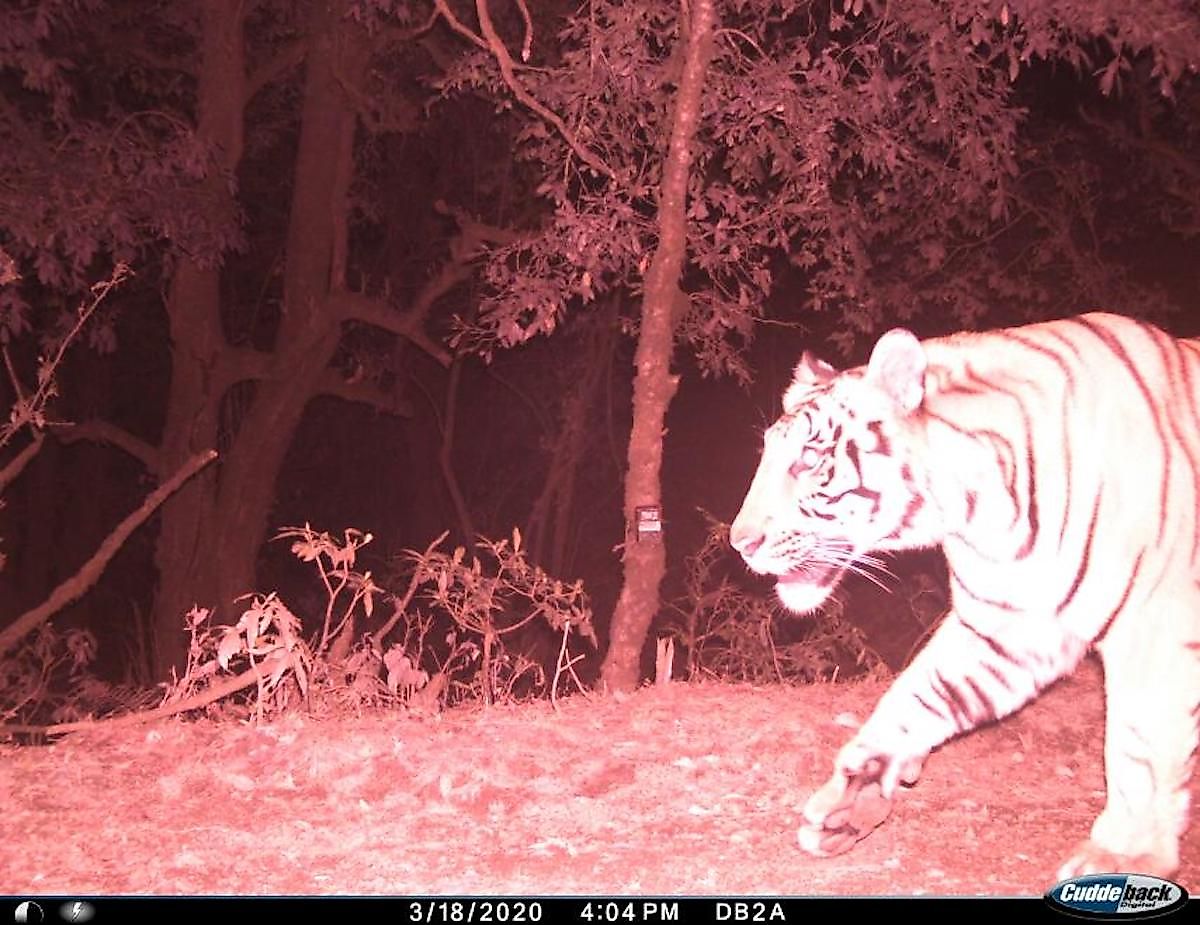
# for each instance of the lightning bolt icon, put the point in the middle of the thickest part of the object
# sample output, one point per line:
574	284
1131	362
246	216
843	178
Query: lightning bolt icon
75	910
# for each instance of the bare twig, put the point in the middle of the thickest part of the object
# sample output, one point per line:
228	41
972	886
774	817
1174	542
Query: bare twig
413	584
527	44
457	25
29	411
508	72
394	34
364	393
492	43
564	664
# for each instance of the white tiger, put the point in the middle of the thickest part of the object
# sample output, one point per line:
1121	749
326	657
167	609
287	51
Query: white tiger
1058	465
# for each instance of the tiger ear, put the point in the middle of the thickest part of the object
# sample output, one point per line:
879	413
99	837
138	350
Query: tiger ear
812	371
897	366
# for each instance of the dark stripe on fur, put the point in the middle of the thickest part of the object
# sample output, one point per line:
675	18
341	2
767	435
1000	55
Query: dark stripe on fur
1085	556
960	710
1113	343
999	605
1031	503
1068	408
960	707
997	674
1124	599
992	644
1052	355
930	707
989	708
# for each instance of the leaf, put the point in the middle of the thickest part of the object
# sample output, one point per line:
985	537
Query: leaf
1109	76
282	662
230	645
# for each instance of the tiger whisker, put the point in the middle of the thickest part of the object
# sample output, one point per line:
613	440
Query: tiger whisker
870	576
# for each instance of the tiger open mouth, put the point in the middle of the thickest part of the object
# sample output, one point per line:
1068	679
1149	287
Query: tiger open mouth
810	574
806	588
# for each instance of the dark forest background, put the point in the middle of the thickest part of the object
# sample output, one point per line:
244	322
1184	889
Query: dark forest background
392	261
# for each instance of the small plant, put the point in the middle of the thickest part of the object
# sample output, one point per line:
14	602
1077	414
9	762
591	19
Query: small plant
493	596
266	642
346	590
45	679
268	639
734	635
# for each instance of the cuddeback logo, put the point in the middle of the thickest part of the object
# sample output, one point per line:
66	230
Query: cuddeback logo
1117	896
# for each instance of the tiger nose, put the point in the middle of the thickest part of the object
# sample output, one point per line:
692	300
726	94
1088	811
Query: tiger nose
745	539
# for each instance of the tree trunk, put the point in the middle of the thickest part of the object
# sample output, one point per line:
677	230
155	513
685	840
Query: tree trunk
183	553
211	538
654	384
550	517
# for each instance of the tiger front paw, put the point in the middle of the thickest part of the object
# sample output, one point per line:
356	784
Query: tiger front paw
844	811
1091	858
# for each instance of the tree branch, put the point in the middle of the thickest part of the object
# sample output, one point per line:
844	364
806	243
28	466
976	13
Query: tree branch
211	694
465	248
99	431
90	571
494	45
237	364
457	25
354	306
20	461
401	604
290	57
363	393
390	34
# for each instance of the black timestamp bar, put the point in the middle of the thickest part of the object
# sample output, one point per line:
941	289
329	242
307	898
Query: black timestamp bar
519	910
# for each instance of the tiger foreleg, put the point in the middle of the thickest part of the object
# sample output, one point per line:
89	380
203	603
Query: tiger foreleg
959	680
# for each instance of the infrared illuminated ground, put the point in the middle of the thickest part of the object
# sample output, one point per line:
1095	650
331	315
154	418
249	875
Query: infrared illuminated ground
681	790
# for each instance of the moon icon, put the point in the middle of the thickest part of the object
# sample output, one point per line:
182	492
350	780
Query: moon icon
28	912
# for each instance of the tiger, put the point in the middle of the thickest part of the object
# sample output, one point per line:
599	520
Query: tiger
1057	465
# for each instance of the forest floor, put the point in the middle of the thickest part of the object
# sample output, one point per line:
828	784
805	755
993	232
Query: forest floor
681	790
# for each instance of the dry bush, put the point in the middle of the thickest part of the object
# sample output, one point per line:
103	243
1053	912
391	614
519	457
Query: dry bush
492	597
41	680
444	641
734	635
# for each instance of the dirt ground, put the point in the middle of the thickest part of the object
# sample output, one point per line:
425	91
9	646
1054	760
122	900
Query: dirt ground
687	789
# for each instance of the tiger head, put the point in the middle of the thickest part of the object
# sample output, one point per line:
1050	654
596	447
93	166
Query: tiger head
835	480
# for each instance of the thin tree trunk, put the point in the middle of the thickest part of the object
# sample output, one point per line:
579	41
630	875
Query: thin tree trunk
466	523
550	516
654	384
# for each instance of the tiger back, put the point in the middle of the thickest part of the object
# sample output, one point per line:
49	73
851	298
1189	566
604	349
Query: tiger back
1058	466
